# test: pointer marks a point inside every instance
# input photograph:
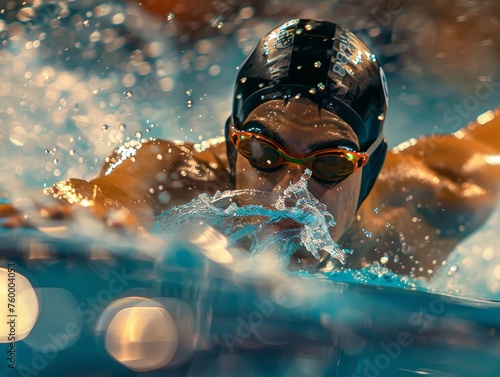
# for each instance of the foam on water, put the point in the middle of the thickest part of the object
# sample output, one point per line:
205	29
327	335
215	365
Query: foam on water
242	213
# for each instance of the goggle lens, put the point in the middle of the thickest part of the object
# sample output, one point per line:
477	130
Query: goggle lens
259	153
329	165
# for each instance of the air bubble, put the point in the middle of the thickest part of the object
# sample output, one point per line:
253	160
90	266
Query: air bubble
129	94
317	64
138	134
86	23
189	102
105	127
170	16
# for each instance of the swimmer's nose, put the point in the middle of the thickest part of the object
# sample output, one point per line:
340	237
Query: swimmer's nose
291	173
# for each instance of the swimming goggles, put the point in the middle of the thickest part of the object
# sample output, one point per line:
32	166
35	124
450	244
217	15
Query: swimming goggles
329	165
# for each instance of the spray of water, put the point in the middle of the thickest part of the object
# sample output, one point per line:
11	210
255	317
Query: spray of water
282	223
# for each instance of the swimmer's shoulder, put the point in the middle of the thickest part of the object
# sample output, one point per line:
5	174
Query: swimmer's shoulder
444	180
147	155
212	150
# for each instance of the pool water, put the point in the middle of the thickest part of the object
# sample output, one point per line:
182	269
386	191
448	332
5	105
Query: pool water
78	78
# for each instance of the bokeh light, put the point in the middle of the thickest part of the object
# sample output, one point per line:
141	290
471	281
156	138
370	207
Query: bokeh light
23	309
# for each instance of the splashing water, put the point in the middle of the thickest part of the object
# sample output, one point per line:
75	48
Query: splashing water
283	223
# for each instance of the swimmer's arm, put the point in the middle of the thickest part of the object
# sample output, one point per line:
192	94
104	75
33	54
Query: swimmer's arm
147	177
480	145
470	156
454	176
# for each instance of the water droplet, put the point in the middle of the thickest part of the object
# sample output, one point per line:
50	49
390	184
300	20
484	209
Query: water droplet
170	16
299	31
384	259
377	211
367	233
396	258
220	25
122	126
189	102
299	67
105	127
312	91
138	134
321	86
453	269
47	151
243	80
317	64
388	224
129	94
86	23
189	92
381	117
56	161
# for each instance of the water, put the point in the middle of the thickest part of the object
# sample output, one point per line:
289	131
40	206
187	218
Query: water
242	213
80	77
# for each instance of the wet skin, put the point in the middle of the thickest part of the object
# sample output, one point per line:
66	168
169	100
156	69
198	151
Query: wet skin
431	193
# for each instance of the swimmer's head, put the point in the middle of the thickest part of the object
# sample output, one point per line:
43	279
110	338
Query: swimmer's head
323	63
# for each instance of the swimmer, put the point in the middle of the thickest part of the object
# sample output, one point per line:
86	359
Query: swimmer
312	95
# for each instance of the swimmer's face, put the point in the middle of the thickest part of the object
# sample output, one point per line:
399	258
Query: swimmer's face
301	128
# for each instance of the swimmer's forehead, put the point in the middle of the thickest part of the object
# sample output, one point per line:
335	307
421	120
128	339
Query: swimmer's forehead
302	114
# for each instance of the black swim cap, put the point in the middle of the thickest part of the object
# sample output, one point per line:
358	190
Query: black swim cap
327	64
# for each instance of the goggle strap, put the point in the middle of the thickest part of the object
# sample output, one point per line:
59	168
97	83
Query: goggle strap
375	145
